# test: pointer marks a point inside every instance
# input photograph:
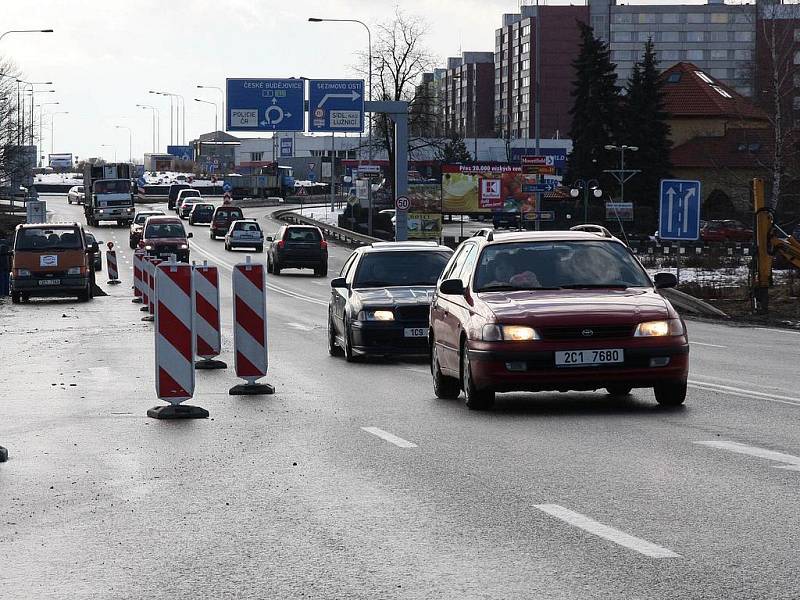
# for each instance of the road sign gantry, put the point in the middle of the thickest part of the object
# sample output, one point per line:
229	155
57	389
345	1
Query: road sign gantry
265	104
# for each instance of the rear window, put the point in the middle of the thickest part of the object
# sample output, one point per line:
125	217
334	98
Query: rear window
305	234
142	217
404	268
246	227
190	194
56	238
227	213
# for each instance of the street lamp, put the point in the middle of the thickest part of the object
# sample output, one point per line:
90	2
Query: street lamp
171	96
622	175
110	146
221	95
41	131
214	104
53	128
4	34
21	104
156	125
582	184
130	140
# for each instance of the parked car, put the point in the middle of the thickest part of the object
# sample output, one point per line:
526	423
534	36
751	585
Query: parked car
201	213
728	230
174	189
75	195
298	247
135	231
93	248
245	234
164	236
559	310
223	217
380	302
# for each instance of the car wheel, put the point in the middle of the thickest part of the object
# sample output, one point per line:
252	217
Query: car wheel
276	267
132	245
670	394
333	347
446	388
83	295
619	390
15	298
211	235
474	398
321	271
349	355
269	264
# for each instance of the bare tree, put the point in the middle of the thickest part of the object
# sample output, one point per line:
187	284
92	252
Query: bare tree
15	165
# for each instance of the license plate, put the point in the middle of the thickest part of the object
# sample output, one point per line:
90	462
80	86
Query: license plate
49	282
415	332
583	358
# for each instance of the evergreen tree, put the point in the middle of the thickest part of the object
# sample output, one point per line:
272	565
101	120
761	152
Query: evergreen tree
595	112
645	126
455	150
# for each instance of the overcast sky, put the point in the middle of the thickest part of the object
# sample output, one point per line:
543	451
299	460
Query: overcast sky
106	54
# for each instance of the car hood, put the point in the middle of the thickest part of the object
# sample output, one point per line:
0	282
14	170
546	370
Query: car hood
568	307
393	296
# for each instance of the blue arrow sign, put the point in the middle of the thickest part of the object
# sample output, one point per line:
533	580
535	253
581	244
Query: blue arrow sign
336	105
265	104
537	188
679	213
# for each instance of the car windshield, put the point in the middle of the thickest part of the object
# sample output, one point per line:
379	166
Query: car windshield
400	268
48	239
142	217
164	230
112	186
557	265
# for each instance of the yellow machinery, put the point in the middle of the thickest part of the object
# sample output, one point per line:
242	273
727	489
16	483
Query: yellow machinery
769	243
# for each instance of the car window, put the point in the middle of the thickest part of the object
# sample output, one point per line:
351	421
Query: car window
455	269
142	217
48	239
531	265
80	188
164	230
403	268
347	265
469	263
305	234
226	213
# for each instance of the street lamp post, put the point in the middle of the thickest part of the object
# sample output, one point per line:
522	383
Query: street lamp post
170	111
216	108
622	174
21	105
41	131
156	125
221	95
585	186
5	33
53	129
130	141
110	146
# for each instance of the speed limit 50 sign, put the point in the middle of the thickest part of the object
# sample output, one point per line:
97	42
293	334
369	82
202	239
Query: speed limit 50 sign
402	203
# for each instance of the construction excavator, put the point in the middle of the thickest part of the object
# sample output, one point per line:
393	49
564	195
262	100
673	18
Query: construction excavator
771	241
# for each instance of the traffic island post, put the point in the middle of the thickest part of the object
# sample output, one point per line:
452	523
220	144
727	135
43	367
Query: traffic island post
111	265
208	337
251	388
210	363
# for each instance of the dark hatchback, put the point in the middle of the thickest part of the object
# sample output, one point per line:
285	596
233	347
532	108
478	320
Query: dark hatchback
298	247
223	217
201	213
380	303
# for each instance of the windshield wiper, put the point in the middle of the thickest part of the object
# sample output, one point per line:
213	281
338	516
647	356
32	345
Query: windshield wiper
589	286
513	288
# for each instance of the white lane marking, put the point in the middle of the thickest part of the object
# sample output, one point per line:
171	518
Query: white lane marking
389	437
606	532
414	370
789	331
742	393
790	462
706	344
323	283
299	326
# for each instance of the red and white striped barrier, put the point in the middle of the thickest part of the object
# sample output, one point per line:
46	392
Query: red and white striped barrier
206	317
111	262
150	264
137	276
250	327
175	342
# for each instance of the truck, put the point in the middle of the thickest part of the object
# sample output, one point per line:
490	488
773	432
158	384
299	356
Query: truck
108	194
271	180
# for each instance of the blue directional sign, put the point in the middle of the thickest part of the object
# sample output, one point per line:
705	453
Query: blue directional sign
679	214
265	104
537	188
336	105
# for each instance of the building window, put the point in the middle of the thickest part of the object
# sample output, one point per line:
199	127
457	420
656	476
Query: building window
695	18
744	17
742	73
670	36
796	102
622	36
526	82
719	73
622	55
719	55
743	36
647	18
256	156
526	47
667	55
694	36
797	35
719	18
670	18
643	36
526	64
719	36
721	91
745	90
526	30
748	55
623	18
694	55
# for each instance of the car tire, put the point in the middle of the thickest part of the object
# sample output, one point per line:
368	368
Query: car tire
474	398
619	390
276	268
227	247
333	347
16	298
321	271
670	394
260	249
211	235
132	245
84	295
444	387
269	264
349	355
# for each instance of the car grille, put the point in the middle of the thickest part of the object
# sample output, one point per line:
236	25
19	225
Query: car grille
598	332
413	313
110	203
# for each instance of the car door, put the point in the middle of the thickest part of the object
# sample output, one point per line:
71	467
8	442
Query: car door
444	316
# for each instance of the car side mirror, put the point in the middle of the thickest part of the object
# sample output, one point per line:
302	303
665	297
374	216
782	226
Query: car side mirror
665	280
270	238
339	282
452	287
190	234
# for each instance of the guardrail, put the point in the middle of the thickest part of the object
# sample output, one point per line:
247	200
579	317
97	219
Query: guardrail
331	231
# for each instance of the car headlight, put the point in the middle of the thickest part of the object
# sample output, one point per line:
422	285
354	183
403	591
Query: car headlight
148	247
509	333
659	328
184	246
130	209
74	271
23	273
376	315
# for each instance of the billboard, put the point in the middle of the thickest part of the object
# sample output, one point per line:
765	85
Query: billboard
481	188
181	152
424	211
60	161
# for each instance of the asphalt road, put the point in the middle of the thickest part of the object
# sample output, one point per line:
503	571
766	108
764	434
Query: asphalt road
353	481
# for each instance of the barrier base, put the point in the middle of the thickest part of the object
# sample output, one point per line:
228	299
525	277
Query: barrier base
144	308
137	300
149	318
252	389
177	411
3	454
208	363
113	281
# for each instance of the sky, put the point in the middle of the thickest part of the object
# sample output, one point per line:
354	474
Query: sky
105	55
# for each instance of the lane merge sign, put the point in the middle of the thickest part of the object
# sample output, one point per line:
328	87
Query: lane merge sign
537	188
336	105
265	104
679	212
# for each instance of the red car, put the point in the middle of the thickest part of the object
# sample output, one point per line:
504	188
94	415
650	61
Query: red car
726	231
560	310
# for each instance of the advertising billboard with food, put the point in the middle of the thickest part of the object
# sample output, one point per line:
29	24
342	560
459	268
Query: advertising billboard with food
424	212
482	188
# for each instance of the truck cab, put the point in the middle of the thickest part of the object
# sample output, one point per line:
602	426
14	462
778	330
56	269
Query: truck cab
108	194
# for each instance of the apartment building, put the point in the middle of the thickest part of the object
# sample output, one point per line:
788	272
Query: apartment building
465	91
